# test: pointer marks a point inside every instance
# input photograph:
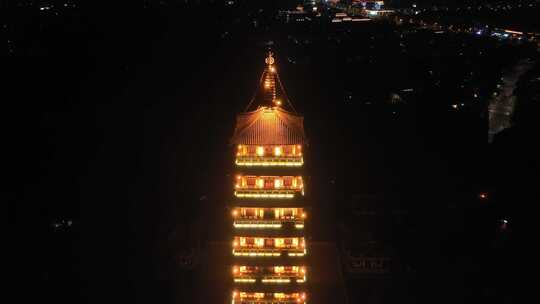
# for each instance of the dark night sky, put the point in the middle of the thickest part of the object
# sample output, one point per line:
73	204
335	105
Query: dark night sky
119	117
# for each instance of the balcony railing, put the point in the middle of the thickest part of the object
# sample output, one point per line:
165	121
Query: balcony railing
269	155
268	298
262	223
269	252
270	161
267	193
270	279
246	223
268	186
250	217
269	275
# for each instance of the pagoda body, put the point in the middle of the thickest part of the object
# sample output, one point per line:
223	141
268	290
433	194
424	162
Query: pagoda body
268	207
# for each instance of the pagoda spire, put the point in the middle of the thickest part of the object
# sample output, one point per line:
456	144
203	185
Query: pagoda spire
269	84
270	80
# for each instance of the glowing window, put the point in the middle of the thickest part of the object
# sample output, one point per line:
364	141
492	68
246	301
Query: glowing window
259	242
279	295
260	151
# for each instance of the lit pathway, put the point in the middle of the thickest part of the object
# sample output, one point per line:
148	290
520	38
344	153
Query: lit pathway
501	107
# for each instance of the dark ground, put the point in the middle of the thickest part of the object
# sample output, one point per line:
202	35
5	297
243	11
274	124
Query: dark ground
118	119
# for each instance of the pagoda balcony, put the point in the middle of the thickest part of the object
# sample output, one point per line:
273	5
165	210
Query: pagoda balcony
269	246
269	156
268	298
268	186
268	217
269	274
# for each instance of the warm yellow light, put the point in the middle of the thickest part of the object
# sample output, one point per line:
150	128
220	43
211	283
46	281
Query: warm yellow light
272	69
256	254
277	183
260	182
235	213
278	151
259	242
260	151
270	163
236	225
276	280
244	280
264	195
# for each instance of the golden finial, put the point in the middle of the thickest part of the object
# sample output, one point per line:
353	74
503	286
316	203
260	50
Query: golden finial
270	58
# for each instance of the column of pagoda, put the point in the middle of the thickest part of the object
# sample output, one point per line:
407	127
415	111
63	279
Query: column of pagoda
268	207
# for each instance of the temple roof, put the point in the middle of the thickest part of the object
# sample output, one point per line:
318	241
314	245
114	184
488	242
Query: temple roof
269	126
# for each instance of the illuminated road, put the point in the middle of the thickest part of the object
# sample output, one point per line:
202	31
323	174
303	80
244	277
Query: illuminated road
501	107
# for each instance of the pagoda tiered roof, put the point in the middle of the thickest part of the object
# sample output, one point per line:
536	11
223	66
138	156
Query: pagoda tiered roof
269	126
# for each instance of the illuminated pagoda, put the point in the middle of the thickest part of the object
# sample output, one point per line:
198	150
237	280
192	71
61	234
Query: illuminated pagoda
268	208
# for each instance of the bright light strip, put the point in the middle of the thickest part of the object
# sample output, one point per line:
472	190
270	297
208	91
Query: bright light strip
298	253
264	195
269	164
276	280
270	301
299	226
276	226
244	280
256	254
278	298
